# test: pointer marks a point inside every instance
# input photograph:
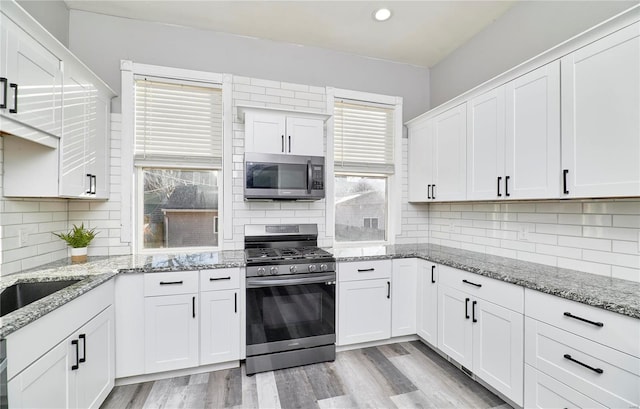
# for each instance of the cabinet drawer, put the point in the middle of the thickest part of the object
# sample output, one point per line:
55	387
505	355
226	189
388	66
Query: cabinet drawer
542	391
179	282
601	373
364	270
498	292
617	331
219	279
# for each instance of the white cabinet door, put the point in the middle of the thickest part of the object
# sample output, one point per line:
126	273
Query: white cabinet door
129	321
37	77
449	155
219	326
428	302
454	325
498	347
485	145
305	136
403	296
420	161
46	382
171	332
542	391
101	168
265	133
364	311
532	143
601	117
95	377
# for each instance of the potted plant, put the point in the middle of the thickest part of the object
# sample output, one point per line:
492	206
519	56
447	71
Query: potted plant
78	239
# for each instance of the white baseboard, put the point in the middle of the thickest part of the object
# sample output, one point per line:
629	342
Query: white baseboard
394	340
178	372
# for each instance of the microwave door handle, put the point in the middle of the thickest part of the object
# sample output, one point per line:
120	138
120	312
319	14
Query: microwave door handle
309	177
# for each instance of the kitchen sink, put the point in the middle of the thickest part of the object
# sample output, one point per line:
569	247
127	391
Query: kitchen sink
18	295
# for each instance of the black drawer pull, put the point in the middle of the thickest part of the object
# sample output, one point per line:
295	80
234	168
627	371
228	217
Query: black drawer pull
474	284
235	302
219	278
564	181
193	306
499	180
83	337
575	317
597	370
466	308
14	110
388	289
506	186
282	136
4	82
170	282
473	311
433	191
364	270
433	280
77	365
428	191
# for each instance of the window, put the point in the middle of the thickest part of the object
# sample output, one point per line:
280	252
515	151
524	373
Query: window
364	135
178	153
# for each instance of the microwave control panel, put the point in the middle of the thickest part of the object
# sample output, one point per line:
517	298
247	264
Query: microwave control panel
317	177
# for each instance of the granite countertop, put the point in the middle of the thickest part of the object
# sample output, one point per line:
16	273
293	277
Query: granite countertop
98	270
611	294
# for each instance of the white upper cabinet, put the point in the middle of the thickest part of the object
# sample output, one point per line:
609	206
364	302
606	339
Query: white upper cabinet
437	158
513	138
31	86
283	132
601	117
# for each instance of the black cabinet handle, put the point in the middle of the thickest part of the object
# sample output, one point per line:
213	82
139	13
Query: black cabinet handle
506	186
466	308
219	278
77	365
289	143
193	306
90	184
575	317
362	270
4	82
388	289
433	280
282	138
14	110
499	180
473	311
433	191
473	284
170	282
94	180
235	302
83	337
597	370
428	191
564	181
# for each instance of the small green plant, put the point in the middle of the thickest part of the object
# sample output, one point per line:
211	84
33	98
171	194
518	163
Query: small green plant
78	236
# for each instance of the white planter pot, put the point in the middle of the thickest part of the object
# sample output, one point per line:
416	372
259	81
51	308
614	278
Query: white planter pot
78	255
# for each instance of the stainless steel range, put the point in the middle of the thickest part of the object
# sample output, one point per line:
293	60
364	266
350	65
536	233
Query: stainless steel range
290	297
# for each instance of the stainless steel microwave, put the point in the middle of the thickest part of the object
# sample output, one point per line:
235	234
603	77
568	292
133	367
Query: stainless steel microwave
271	176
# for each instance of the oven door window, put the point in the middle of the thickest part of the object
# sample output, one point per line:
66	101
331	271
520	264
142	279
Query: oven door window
290	312
277	176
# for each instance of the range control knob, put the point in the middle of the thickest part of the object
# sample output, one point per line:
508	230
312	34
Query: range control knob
260	271
323	267
293	269
273	270
312	268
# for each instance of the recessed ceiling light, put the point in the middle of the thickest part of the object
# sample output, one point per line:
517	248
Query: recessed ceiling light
382	14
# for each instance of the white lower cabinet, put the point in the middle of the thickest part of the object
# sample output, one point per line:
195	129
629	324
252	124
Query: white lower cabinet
403	297
364	311
171	332
219	326
483	337
76	373
427	303
543	391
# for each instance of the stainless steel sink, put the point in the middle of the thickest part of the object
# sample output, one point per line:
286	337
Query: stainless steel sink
18	295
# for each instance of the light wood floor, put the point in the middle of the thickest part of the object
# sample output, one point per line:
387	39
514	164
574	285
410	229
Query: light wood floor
404	375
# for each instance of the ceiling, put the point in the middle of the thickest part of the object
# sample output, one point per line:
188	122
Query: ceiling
419	32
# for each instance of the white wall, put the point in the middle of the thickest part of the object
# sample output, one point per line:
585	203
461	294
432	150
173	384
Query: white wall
52	14
101	41
524	31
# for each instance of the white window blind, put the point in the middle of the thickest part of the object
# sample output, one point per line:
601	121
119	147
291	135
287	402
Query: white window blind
177	121
363	137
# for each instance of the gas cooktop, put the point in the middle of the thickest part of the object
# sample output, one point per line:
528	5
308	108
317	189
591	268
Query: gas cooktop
270	255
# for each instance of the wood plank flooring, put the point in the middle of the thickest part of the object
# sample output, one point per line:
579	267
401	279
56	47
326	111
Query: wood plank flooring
403	375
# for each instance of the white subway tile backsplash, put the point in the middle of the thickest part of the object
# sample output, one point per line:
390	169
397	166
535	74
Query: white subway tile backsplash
612	207
538	217
628	247
618	259
626	221
611	233
625	273
585	243
585	219
586	266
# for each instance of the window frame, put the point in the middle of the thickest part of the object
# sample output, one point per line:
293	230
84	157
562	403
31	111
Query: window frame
394	181
132	195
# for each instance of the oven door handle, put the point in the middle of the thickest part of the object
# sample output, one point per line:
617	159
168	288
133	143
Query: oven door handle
257	282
